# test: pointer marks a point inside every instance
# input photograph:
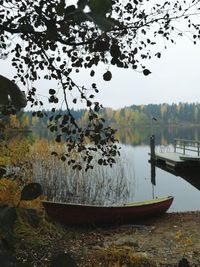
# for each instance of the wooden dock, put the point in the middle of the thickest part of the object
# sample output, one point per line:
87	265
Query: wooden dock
186	153
170	159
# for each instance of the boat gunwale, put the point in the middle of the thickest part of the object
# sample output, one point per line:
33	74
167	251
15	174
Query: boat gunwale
125	205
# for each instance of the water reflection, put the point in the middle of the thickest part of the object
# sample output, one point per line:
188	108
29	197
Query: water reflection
141	179
186	196
164	135
140	135
189	170
189	174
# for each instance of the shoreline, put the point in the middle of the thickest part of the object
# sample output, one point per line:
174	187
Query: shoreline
165	239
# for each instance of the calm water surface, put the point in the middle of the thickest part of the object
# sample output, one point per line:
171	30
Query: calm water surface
136	173
187	197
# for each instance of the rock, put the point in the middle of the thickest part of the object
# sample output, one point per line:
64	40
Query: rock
85	250
142	254
183	263
63	260
135	226
126	241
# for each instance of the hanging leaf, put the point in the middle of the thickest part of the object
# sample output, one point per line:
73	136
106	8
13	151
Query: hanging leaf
115	51
107	76
31	191
92	73
52	91
101	46
146	72
100	161
158	55
89	103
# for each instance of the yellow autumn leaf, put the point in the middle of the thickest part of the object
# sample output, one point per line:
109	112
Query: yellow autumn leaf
178	235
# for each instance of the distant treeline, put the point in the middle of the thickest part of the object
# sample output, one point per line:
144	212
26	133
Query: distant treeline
135	115
164	114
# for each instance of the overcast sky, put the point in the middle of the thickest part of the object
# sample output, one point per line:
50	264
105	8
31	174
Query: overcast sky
175	78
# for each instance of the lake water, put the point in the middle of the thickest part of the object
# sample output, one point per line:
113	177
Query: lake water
186	196
131	179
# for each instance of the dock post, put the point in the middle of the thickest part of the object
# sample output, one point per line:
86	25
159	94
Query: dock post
152	146
175	145
153	158
153	173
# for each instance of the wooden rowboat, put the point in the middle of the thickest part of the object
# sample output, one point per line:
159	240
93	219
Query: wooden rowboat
81	214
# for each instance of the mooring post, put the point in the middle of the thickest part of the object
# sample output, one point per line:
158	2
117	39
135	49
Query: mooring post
153	173
152	146
153	167
175	143
184	144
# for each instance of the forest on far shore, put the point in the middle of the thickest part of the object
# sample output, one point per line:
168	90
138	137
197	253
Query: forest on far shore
132	116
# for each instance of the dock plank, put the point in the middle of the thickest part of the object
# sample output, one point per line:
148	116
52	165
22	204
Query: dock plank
170	156
177	159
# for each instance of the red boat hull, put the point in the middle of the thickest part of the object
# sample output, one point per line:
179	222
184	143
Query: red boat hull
77	214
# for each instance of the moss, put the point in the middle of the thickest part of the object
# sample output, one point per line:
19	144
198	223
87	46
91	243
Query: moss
31	226
123	256
33	229
4	160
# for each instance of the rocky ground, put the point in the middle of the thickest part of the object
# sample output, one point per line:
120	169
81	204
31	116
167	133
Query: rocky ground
164	240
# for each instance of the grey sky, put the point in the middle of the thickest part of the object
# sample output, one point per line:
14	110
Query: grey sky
175	78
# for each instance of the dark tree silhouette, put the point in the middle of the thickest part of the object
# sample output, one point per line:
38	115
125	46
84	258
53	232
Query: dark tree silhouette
10	95
52	40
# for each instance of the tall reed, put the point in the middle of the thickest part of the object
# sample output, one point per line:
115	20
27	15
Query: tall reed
101	185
